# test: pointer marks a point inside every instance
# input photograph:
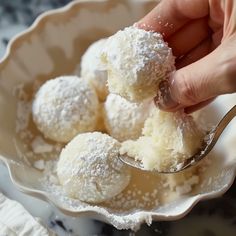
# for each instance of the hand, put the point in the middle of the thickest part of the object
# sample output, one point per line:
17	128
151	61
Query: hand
202	34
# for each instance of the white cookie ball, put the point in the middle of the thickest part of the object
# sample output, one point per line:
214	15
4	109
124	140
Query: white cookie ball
64	107
93	70
124	119
136	60
89	168
168	140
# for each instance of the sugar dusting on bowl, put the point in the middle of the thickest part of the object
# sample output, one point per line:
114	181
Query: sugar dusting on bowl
126	210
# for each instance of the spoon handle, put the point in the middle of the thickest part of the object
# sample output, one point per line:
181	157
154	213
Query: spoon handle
222	125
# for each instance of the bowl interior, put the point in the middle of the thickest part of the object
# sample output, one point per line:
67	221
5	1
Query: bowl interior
52	47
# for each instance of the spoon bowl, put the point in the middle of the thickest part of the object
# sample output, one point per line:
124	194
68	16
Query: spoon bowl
209	142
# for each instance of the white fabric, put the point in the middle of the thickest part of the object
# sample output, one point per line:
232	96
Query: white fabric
16	221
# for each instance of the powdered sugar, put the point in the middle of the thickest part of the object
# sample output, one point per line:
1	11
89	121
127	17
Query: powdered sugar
136	61
31	146
93	70
40	146
89	168
64	107
143	47
135	198
188	184
23	115
39	164
123	119
124	209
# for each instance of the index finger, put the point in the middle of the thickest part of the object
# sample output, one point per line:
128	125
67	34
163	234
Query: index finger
170	15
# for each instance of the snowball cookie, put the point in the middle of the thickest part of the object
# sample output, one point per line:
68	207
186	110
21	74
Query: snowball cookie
168	140
64	107
136	60
123	119
89	168
93	70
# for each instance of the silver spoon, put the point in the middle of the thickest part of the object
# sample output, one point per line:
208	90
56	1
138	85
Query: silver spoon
209	142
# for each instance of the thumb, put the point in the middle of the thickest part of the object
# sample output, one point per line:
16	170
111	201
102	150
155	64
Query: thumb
200	81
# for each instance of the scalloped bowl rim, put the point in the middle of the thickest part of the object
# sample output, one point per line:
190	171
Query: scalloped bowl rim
35	24
43	195
46	197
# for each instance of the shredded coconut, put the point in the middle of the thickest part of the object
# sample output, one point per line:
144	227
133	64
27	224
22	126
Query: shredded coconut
168	140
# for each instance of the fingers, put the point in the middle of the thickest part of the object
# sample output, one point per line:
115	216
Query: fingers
200	51
198	106
170	15
200	81
189	36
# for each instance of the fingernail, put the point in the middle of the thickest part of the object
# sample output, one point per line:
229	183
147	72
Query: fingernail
164	100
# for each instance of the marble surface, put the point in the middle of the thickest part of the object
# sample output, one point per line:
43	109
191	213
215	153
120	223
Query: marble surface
210	218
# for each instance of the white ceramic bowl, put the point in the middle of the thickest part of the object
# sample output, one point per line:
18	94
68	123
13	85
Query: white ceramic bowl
53	46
